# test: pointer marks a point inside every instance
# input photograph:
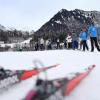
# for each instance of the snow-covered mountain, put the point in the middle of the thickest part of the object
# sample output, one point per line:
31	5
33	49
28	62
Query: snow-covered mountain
69	60
2	28
68	21
11	35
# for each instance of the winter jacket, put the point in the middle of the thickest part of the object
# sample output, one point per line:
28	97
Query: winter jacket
41	41
83	36
69	39
74	37
92	31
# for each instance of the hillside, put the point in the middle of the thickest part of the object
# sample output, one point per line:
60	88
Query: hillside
65	22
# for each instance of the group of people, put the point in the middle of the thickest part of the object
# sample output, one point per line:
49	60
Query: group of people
42	45
73	41
92	33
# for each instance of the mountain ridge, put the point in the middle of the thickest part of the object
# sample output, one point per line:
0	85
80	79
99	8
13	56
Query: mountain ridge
65	21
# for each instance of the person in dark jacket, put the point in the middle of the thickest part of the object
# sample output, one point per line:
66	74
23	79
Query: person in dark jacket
36	46
74	41
58	43
93	37
2	72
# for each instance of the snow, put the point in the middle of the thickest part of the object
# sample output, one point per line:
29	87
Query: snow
78	16
58	21
74	12
8	44
2	28
52	24
25	42
62	17
86	16
69	60
62	10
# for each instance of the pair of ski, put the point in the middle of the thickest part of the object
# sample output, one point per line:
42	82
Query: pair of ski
57	89
46	89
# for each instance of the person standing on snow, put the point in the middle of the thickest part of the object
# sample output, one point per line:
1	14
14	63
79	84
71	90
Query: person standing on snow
93	37
58	43
36	46
69	41
48	45
41	44
65	43
83	37
74	41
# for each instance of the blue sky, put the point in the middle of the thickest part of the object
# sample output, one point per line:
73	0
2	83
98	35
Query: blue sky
32	14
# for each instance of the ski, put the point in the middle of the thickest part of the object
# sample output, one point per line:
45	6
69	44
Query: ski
12	77
57	89
79	76
29	73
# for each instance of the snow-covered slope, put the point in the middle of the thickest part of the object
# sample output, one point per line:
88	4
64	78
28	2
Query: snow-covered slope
2	28
25	42
69	60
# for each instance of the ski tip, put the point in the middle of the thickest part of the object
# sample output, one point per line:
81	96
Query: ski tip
56	65
94	65
91	67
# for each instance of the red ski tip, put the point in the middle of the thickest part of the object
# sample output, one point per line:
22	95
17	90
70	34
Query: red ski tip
30	73
94	65
72	83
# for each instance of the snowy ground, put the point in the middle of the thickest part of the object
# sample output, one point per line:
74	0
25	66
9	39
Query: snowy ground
69	60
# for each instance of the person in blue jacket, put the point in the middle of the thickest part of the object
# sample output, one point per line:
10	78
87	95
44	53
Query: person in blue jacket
93	37
83	37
